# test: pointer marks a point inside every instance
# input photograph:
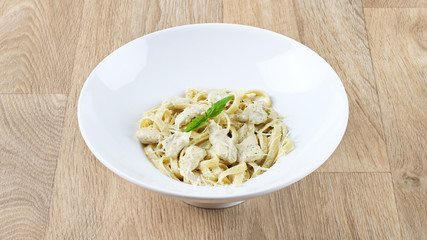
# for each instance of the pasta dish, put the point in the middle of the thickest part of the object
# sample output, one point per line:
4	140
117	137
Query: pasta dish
214	136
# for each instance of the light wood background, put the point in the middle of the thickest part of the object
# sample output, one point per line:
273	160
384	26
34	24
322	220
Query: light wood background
373	187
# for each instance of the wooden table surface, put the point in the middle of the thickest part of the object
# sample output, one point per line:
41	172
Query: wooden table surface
373	187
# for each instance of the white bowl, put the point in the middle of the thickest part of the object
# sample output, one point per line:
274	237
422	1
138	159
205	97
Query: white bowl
139	75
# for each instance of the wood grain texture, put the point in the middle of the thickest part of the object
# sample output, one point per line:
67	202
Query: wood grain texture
273	15
394	3
346	206
30	136
399	55
37	45
336	30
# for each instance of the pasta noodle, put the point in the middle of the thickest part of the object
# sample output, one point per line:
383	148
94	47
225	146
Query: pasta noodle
242	142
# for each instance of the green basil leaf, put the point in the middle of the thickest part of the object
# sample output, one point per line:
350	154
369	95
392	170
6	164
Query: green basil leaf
212	112
196	123
217	107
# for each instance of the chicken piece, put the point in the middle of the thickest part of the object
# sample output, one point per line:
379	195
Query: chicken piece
249	150
148	135
176	102
175	143
188	114
189	162
217	94
245	131
222	145
191	159
254	113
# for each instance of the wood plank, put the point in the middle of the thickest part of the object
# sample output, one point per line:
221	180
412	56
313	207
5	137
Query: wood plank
38	41
30	137
394	3
82	203
399	53
273	15
340	206
336	30
321	206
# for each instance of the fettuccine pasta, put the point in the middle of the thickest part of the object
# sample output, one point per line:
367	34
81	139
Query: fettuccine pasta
242	142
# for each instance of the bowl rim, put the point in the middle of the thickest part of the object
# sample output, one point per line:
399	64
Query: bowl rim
251	194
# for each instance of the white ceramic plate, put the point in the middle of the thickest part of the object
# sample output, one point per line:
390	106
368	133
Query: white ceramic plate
139	75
